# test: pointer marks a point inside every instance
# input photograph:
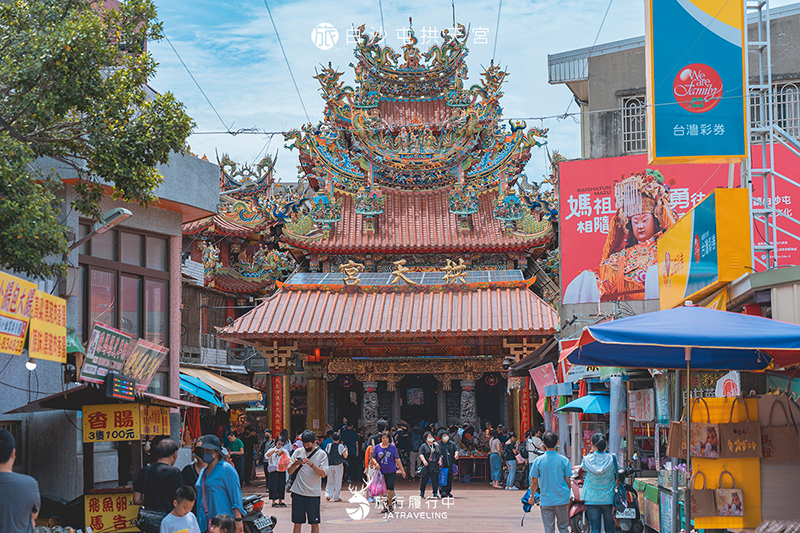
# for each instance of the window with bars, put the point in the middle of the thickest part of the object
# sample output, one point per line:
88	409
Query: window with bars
786	109
634	134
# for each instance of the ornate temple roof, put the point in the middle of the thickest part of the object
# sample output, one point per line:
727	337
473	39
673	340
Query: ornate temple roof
420	222
494	309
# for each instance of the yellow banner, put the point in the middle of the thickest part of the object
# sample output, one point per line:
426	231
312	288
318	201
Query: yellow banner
16	302
48	338
155	420
110	512
114	422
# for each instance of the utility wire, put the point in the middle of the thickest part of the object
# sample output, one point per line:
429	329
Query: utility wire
287	61
383	26
497	29
602	23
195	82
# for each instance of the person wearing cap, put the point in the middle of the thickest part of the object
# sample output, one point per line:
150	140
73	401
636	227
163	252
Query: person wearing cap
218	489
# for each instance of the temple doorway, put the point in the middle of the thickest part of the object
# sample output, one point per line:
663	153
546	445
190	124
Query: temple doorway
418	399
489	391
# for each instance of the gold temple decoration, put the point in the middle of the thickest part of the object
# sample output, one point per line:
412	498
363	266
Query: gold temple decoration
455	272
399	273
520	349
351	269
277	356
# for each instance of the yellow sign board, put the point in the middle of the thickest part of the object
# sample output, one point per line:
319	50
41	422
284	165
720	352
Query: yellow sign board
154	420
706	249
110	512
112	422
16	302
48	339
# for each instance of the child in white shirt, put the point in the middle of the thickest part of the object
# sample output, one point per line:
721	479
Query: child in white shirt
181	519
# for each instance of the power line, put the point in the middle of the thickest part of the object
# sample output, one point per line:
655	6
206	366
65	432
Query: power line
602	23
296	88
383	26
497	29
195	82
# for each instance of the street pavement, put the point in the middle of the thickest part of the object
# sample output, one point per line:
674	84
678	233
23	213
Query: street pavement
475	507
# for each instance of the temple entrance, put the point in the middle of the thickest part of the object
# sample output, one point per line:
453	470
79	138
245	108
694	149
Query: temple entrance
488	392
418	399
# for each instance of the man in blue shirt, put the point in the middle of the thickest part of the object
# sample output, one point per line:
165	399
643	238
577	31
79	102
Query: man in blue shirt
551	473
218	489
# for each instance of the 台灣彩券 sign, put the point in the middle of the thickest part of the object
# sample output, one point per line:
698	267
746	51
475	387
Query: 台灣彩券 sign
143	362
696	85
16	302
106	353
112	422
48	338
110	512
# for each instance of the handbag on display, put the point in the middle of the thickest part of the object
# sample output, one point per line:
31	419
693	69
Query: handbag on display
779	444
730	502
704	436
676	443
702	500
740	439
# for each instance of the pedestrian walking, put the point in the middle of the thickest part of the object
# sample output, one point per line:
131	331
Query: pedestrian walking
191	473
449	454
413	454
250	441
430	458
310	465
218	488
181	519
276	481
155	486
20	503
495	461
550	474
599	485
386	457
236	453
349	438
337	457
266	444
510	457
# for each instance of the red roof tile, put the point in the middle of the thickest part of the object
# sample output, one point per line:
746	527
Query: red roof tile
222	225
327	314
419	221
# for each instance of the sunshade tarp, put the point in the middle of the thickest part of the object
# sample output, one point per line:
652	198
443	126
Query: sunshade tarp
231	391
197	387
719	341
592	404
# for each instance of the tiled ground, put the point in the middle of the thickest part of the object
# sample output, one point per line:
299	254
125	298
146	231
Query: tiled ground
474	508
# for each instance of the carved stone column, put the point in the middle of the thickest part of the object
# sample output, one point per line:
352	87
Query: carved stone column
369	407
468	412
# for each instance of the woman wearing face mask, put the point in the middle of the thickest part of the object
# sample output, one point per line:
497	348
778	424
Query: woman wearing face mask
218	489
430	457
449	453
191	472
277	478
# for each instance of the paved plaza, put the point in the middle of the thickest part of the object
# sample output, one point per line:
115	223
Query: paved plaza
474	508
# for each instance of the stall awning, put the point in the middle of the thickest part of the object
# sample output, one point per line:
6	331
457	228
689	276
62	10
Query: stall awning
76	398
231	391
543	354
198	388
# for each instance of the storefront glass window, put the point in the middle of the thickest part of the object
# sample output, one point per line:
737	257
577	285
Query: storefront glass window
130	295
102	297
156	253
131	248
105	246
156	311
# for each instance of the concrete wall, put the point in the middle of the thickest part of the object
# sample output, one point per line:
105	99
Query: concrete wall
587	314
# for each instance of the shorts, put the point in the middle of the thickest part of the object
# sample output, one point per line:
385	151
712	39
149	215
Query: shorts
389	477
305	508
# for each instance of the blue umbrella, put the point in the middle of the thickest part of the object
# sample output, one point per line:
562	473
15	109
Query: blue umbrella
197	387
591	404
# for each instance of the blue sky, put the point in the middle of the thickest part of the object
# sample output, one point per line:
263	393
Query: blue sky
232	51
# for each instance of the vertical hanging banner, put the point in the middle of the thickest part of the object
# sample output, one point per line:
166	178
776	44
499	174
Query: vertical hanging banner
16	302
48	338
696	87
277	404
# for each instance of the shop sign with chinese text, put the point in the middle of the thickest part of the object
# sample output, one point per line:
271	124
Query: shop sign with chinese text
142	363
112	422
16	303
107	350
154	420
694	55
110	512
48	338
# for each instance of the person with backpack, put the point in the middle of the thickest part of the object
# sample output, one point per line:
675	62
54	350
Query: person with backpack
309	465
430	458
449	453
550	474
337	456
510	457
599	485
534	447
413	456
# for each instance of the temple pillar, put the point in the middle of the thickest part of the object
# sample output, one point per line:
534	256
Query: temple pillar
287	410
468	412
369	407
317	399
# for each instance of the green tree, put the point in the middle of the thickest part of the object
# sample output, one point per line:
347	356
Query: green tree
73	86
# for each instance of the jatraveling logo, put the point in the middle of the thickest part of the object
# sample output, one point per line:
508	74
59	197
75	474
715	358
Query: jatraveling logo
416	508
697	88
324	36
361	510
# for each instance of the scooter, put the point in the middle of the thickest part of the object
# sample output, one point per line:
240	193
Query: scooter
578	519
254	520
629	517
